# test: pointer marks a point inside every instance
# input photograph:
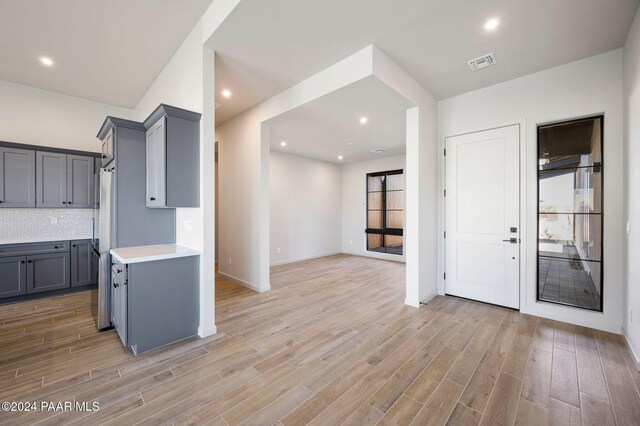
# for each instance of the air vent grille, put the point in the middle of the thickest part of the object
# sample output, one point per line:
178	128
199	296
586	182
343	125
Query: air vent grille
482	62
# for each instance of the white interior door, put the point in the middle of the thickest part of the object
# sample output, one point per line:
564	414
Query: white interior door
483	216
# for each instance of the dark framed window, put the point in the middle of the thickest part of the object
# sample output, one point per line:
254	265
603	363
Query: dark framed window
385	212
570	213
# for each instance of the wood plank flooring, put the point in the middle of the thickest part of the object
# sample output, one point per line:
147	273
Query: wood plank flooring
332	343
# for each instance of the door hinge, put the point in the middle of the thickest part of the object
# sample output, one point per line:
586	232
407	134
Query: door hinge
445	275
445	192
445	152
445	234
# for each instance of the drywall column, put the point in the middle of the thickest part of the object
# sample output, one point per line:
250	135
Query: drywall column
265	259
421	179
412	209
207	196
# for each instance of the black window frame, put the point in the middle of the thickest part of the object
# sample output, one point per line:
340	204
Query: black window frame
384	230
601	213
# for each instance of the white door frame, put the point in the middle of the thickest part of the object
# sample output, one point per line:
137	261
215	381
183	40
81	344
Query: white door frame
523	212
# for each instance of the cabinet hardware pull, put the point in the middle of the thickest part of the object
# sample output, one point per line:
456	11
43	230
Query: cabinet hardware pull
72	245
1	201
64	202
152	198
115	285
55	247
22	261
29	261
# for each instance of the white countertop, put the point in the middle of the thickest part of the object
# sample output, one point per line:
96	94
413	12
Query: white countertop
129	255
42	240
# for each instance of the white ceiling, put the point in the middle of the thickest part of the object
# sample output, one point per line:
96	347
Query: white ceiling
330	126
104	50
266	46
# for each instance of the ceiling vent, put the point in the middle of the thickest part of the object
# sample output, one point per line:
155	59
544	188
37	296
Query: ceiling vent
482	62
377	151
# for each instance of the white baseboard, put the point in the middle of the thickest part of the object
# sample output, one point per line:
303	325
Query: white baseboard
379	256
429	297
568	318
244	283
632	350
412	303
206	332
416	304
300	259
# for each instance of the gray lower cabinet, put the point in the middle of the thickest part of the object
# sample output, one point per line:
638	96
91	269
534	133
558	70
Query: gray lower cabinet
119	306
64	180
83	264
155	303
17	178
40	267
13	276
47	272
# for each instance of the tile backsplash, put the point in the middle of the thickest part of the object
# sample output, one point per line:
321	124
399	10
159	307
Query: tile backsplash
46	224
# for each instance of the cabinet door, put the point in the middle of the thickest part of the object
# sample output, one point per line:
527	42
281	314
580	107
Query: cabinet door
17	178
47	272
83	270
156	164
13	276
51	179
80	182
119	307
107	148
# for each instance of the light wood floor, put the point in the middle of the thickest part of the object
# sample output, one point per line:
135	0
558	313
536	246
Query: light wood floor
331	344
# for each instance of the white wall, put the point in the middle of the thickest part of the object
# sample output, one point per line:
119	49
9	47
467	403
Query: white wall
187	81
354	204
40	117
631	294
305	208
586	87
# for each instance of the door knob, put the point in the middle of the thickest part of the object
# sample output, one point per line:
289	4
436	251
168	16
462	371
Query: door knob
511	240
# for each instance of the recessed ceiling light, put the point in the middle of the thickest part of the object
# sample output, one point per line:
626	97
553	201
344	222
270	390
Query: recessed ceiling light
363	120
46	61
340	157
283	143
226	93
491	24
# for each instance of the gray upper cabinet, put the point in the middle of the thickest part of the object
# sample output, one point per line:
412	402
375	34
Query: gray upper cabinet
17	178
51	179
156	161
80	181
173	157
64	180
107	148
